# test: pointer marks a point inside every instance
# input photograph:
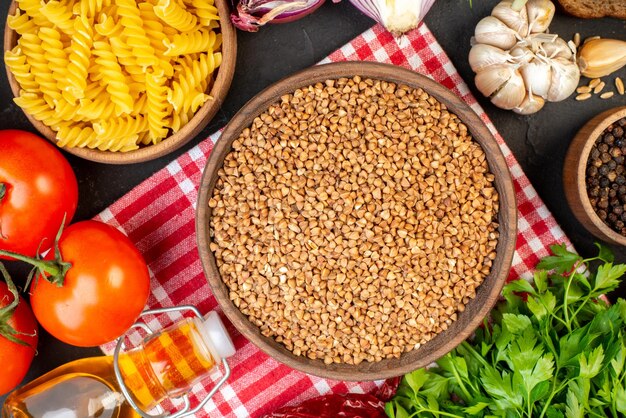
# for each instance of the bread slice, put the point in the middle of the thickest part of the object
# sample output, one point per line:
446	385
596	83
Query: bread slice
595	8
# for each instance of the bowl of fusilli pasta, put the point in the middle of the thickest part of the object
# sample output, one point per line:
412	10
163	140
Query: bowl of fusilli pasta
119	81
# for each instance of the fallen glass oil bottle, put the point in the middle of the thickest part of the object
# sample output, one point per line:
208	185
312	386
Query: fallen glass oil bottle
166	365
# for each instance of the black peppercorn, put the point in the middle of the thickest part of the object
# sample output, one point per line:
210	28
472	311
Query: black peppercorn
603	203
604	182
603	170
595	154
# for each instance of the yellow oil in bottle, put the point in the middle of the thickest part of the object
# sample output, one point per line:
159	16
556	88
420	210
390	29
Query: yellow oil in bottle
82	388
167	365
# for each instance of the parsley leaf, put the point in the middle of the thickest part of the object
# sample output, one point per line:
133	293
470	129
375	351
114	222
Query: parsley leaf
607	277
561	262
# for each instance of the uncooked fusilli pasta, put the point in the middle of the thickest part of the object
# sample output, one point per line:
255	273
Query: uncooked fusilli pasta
205	11
113	77
60	14
114	74
174	15
79	59
157	106
35	57
16	62
190	43
130	17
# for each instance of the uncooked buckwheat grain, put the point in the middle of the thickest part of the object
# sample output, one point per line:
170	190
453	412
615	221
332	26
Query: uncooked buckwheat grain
354	219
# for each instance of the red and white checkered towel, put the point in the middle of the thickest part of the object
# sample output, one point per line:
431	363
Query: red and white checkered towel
158	216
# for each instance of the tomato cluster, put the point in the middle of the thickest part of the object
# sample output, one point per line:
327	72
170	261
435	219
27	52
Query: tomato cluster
91	284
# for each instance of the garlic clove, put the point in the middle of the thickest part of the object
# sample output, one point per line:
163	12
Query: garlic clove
511	94
540	14
557	48
531	104
537	75
563	79
483	55
494	32
492	78
516	20
521	54
600	57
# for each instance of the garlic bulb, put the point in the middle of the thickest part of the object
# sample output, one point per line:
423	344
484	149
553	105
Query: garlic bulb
517	64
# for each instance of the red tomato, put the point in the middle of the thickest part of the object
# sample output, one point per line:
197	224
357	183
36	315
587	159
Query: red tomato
102	293
16	358
37	188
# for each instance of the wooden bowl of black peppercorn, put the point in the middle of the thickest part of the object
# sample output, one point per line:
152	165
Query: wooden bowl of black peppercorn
594	176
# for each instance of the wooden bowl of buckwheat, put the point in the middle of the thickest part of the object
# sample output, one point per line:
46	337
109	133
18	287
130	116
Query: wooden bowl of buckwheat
356	221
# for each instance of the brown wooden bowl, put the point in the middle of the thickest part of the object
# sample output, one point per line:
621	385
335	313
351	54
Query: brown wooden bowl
486	294
203	116
574	174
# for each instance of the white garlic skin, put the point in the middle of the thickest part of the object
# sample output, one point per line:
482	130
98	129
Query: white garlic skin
557	49
492	31
531	104
521	54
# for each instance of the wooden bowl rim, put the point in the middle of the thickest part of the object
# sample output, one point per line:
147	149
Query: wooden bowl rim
199	121
444	341
599	123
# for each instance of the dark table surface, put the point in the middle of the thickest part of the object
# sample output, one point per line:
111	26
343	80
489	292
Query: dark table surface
539	141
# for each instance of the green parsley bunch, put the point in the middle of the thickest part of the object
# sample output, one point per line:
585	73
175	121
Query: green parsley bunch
553	348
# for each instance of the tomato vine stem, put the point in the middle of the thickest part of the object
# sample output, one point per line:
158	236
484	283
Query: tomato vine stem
6	312
53	270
